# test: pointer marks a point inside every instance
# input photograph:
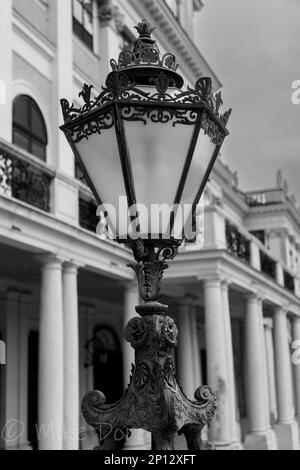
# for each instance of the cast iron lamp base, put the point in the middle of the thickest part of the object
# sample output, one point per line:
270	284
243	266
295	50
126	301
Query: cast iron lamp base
153	401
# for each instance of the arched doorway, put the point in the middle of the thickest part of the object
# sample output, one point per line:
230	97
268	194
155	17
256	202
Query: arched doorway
106	353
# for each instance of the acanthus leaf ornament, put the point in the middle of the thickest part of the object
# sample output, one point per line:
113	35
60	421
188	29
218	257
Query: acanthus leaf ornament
149	275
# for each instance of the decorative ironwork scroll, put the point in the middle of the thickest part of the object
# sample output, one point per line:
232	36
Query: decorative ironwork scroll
237	244
24	181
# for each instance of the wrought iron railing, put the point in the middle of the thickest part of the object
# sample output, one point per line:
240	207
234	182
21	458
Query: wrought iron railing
268	265
87	213
237	243
24	177
264	198
289	281
260	235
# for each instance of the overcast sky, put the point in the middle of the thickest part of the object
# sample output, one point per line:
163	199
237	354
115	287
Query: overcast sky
254	48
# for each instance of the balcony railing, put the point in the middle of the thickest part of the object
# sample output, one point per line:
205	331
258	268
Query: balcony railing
268	265
264	198
289	281
87	214
237	243
24	177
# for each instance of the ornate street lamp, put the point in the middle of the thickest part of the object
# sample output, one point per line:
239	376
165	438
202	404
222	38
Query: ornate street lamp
145	141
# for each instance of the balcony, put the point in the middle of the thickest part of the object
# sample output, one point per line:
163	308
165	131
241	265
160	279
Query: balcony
265	198
289	282
87	213
237	243
24	177
268	265
250	249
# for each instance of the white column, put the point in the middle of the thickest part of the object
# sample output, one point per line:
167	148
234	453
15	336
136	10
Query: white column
296	365
271	371
71	357
286	429
131	300
260	435
12	428
51	356
235	443
6	34
221	428
185	364
198	382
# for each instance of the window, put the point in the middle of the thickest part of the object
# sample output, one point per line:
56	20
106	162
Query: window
29	130
127	39
83	21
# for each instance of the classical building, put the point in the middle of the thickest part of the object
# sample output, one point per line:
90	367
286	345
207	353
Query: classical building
66	293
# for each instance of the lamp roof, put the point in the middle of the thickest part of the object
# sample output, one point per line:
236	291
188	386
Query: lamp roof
145	62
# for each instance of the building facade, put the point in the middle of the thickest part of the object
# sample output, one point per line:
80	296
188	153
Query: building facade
66	293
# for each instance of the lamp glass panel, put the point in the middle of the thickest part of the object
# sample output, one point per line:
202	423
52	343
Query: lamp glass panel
202	156
157	153
100	156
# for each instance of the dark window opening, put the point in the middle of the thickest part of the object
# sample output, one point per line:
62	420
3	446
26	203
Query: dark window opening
83	21
128	39
32	405
260	235
29	130
108	364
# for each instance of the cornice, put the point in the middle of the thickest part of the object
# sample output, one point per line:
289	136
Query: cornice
224	264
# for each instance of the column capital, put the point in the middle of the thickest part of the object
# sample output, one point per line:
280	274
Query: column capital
254	297
48	259
295	319
72	266
215	281
281	310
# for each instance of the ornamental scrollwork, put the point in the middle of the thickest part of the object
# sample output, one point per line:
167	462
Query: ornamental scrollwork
94	126
153	401
24	181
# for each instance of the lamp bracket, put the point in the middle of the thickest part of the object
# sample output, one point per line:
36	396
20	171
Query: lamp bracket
153	401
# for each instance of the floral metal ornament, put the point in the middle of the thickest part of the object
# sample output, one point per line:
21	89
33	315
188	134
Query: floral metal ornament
153	401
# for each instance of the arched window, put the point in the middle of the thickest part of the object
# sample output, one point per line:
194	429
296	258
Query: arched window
29	130
106	356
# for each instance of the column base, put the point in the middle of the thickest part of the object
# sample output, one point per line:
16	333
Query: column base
228	446
298	422
265	440
136	441
287	435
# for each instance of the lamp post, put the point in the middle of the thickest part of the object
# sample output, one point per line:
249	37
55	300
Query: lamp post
143	142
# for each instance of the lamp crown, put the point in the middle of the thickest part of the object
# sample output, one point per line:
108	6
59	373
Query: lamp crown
145	61
144	29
